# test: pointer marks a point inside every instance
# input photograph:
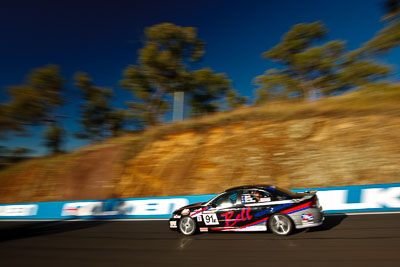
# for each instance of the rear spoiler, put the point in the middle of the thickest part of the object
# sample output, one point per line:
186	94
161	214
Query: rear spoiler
305	193
313	192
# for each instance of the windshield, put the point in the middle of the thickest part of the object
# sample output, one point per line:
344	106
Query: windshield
225	200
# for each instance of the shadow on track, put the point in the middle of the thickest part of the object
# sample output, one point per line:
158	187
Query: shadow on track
32	229
331	221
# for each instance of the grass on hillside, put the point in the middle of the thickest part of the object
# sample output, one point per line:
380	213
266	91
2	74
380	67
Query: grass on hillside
369	101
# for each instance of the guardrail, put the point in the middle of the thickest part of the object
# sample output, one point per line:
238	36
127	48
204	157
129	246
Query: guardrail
358	198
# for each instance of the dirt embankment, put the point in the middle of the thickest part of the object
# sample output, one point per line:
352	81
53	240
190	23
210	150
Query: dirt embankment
296	153
89	174
313	152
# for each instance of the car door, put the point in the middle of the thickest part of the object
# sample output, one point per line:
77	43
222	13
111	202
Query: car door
256	204
221	211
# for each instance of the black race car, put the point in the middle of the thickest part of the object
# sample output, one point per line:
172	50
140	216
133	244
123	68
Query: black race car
250	208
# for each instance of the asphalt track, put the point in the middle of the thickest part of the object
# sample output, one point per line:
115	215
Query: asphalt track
363	240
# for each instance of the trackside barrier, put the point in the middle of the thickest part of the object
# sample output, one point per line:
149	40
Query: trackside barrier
359	198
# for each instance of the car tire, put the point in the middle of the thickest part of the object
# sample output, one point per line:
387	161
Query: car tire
280	224
187	225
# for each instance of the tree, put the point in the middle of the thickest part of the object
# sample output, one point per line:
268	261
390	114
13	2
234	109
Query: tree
309	68
148	106
117	120
7	124
303	63
164	68
19	152
234	100
34	103
54	138
206	89
95	110
275	84
389	37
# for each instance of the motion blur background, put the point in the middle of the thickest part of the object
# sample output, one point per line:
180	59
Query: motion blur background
295	93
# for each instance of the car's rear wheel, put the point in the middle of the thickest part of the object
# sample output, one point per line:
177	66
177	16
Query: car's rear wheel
280	224
187	225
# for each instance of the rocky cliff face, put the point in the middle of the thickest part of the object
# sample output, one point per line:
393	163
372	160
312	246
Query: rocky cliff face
314	152
88	174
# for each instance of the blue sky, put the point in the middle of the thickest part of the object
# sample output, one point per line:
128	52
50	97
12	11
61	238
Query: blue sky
103	37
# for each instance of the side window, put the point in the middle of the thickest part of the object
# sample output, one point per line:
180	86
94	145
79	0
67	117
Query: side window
281	196
255	196
226	200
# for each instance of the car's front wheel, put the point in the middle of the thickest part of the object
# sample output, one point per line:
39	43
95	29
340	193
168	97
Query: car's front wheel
280	224
187	226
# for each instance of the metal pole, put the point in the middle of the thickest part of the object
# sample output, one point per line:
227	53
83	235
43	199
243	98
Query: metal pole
179	98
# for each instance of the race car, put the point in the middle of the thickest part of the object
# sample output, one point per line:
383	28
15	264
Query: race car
250	208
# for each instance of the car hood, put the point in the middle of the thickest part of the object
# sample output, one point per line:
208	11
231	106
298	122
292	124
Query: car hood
194	205
191	207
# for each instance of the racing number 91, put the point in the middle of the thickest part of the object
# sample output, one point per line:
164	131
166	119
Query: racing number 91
210	219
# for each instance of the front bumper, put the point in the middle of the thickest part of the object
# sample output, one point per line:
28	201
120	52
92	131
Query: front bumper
309	225
173	224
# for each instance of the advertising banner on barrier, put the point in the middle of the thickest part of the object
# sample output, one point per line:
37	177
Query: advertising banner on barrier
361	198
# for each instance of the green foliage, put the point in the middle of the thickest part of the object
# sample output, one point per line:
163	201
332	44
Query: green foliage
49	83
299	38
169	45
164	68
362	72
54	137
7	124
165	56
117	120
19	152
234	100
275	84
33	103
96	111
148	105
389	37
309	68
385	40
206	89
10	156
36	101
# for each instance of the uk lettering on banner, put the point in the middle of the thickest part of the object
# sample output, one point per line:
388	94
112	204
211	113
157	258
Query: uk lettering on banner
370	198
